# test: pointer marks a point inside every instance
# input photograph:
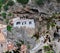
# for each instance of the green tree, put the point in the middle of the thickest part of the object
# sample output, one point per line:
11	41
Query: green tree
5	7
23	1
0	6
3	1
10	3
4	15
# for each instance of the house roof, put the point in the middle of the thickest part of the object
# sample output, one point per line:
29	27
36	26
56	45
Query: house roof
2	26
18	18
2	38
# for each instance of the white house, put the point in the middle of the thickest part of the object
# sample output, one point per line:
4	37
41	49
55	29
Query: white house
28	23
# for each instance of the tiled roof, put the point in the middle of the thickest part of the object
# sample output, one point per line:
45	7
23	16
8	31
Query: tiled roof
2	22
2	38
2	26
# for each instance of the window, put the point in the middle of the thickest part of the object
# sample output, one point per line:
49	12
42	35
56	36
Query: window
30	22
17	23
23	22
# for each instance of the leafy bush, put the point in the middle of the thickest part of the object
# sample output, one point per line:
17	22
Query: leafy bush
23	1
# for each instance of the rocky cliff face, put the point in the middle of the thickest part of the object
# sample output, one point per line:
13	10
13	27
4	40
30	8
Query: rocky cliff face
50	6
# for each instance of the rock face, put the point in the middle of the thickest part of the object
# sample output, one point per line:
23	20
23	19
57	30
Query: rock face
50	6
21	34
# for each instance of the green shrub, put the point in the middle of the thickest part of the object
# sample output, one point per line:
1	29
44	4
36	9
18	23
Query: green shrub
23	1
5	7
4	15
10	14
9	28
39	2
46	48
58	1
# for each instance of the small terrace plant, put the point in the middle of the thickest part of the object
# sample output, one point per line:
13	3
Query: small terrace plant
50	51
46	48
9	28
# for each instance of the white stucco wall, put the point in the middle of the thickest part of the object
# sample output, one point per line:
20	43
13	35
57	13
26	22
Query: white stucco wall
32	25
58	23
